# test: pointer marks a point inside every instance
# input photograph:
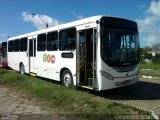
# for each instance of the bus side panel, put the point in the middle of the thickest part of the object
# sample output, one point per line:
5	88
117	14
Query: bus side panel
44	65
69	63
11	60
49	64
15	58
53	66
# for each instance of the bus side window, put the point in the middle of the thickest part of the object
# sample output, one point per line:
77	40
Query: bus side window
10	46
41	42
16	45
52	41
67	39
23	44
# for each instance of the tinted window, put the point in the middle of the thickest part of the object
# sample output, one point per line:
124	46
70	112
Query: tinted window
4	49
4	44
118	23
67	39
23	44
41	43
32	48
10	46
16	45
120	47
52	41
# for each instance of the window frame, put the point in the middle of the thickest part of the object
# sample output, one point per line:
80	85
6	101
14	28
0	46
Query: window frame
66	40
16	47
11	48
22	46
38	43
55	41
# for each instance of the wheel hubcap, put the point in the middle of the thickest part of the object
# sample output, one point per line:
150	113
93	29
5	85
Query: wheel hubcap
67	79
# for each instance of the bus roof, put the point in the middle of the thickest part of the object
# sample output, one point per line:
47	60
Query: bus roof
92	19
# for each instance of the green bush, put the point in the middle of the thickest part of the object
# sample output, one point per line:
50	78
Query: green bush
156	59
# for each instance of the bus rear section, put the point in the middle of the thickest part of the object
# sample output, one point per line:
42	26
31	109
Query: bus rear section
3	55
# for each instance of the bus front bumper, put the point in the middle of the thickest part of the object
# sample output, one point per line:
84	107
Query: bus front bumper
106	83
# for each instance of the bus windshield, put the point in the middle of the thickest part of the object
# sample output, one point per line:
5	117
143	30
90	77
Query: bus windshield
119	47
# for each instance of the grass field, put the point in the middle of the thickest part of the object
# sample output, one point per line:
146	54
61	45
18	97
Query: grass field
150	66
153	70
67	100
150	73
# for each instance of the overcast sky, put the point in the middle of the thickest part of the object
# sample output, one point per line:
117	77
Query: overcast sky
16	15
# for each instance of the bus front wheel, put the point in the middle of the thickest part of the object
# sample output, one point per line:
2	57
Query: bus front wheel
22	70
67	79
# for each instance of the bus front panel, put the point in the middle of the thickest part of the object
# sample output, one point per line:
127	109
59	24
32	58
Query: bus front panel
119	51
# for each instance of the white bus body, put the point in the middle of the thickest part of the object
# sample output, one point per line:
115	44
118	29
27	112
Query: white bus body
80	53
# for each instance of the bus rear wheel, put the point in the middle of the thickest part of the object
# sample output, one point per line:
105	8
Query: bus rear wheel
67	79
22	70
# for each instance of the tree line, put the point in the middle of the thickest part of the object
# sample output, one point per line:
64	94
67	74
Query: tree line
151	53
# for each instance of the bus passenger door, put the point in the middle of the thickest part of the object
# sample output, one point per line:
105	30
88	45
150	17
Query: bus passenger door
86	58
32	55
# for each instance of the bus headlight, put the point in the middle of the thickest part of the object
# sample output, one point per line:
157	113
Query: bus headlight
107	75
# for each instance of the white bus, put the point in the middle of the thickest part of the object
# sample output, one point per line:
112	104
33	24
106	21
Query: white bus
3	54
97	53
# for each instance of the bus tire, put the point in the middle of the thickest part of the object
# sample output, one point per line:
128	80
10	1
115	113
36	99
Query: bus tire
22	69
67	79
